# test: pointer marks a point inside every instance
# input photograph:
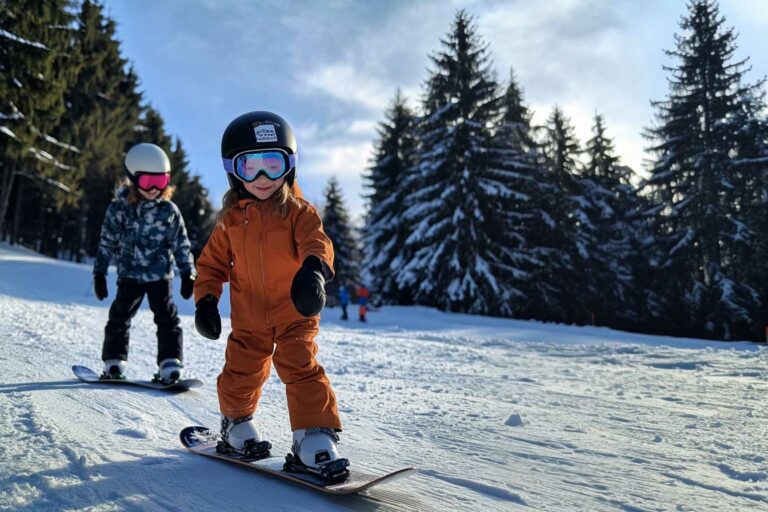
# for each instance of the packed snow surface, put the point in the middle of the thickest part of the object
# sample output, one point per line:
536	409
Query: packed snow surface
497	414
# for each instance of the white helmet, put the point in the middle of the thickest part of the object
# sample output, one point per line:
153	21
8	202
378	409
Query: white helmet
147	158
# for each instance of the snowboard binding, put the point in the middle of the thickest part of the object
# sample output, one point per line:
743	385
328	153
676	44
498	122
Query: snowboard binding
114	369
157	379
112	376
253	450
168	372
332	472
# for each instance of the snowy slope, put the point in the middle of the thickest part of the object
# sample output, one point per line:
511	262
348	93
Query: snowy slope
498	414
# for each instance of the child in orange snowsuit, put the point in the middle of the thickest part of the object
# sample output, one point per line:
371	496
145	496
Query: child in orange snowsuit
362	301
270	246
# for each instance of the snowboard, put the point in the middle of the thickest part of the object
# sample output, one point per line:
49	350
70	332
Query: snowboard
87	375
203	441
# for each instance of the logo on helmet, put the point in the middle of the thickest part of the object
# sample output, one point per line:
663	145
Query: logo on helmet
265	132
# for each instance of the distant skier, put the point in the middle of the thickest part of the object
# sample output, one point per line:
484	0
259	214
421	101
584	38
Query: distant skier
362	301
270	246
343	301
144	231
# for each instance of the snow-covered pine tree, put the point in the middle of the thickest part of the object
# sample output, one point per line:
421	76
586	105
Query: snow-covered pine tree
385	230
338	227
612	292
192	199
750	161
699	223
514	176
560	227
151	128
103	110
450	210
36	67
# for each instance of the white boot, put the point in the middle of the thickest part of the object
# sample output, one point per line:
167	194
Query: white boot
243	435
169	369
315	446
114	369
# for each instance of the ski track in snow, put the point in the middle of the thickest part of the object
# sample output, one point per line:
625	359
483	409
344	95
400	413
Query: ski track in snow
497	414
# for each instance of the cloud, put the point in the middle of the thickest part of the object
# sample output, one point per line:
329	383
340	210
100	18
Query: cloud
341	160
346	83
754	12
319	163
365	127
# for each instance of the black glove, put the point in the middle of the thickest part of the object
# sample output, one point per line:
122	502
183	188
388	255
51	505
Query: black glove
308	287
207	319
100	286
187	284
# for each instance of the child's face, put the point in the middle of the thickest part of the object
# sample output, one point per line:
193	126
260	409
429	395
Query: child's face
263	187
149	195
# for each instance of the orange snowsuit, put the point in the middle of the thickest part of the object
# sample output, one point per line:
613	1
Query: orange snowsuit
362	300
259	252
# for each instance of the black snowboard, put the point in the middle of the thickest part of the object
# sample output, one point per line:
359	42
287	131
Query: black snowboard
87	375
203	441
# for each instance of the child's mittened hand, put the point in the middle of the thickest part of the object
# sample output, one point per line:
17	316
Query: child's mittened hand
100	286
187	285
308	287
207	319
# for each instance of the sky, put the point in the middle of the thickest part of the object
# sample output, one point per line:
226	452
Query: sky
332	68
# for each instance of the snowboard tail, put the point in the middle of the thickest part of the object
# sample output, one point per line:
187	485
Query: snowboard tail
203	441
87	375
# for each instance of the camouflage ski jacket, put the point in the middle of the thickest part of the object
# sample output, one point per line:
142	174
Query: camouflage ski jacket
144	238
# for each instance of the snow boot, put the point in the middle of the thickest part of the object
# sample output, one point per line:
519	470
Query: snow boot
243	436
168	371
314	451
114	369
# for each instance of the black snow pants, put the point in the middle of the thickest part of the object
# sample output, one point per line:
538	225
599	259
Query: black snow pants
130	293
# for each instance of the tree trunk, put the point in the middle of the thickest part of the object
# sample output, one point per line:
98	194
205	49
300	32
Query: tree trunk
5	198
17	212
82	231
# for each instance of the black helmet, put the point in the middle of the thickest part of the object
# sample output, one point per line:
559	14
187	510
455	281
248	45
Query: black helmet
258	130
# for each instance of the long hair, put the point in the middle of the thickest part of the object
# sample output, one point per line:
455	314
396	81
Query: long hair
134	196
282	201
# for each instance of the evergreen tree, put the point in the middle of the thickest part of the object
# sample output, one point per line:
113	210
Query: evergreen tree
612	294
70	108
514	177
385	230
36	67
559	226
337	226
151	129
701	232
192	199
603	164
453	193
104	107
750	161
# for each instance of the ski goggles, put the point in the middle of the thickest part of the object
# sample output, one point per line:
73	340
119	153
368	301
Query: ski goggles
147	181
272	163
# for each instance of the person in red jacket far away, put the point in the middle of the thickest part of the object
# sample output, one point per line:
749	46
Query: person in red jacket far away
362	300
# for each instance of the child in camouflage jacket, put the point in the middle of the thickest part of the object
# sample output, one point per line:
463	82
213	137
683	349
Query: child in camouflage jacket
144	231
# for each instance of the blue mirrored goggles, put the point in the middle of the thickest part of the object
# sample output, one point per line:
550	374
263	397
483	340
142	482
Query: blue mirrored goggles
272	163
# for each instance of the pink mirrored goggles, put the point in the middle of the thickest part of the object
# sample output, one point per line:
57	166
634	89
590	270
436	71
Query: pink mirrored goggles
147	181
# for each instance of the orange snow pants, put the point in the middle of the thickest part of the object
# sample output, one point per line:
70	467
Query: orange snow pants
292	349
